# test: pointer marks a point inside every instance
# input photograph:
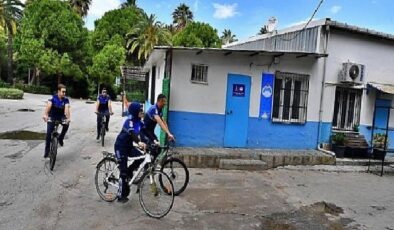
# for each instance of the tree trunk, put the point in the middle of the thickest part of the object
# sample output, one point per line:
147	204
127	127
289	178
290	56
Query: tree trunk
9	50
59	78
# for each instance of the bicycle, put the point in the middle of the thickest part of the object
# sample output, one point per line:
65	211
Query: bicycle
174	167
103	124
54	143
151	195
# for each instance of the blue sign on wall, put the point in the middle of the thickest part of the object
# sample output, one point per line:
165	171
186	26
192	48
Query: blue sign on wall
239	90
267	90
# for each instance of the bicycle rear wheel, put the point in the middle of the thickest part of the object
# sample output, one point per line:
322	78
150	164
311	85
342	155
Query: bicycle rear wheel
53	153
107	179
178	174
156	200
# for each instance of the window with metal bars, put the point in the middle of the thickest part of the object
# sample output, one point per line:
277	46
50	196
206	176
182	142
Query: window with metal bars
290	98
199	74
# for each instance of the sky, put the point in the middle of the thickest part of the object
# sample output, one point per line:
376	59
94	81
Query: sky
245	17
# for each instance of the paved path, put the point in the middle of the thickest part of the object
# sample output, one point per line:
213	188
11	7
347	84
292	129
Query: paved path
32	198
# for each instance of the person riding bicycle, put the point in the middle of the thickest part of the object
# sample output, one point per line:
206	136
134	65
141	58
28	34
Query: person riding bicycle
103	108
58	109
154	116
124	148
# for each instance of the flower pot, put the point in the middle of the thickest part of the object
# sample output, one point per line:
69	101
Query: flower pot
379	154
339	151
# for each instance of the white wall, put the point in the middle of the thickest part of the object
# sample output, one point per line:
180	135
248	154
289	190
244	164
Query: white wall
375	54
160	67
211	98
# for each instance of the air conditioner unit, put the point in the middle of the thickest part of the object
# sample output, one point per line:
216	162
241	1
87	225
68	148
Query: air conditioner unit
352	73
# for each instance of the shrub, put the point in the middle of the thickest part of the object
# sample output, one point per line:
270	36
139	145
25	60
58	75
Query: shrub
379	140
338	139
4	84
36	89
135	96
9	93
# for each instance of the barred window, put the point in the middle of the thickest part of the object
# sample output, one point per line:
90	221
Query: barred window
290	97
199	74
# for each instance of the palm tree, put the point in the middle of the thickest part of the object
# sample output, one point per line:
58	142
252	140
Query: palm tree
228	37
263	30
80	6
10	15
181	16
129	3
145	35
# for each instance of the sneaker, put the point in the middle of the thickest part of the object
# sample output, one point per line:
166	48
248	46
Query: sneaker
46	155
106	129
123	199
61	142
98	137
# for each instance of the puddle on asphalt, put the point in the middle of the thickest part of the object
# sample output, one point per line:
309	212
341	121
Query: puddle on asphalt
26	110
23	135
314	216
90	102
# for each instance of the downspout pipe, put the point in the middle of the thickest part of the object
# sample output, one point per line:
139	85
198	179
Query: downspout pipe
323	84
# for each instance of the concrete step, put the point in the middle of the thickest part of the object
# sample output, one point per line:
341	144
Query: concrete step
242	164
362	162
211	157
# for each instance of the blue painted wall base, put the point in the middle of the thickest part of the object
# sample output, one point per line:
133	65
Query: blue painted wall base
207	130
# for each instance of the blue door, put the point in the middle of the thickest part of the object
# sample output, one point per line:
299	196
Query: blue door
382	115
237	110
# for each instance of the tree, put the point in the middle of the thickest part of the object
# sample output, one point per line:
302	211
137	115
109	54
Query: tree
182	16
197	34
114	22
50	38
263	30
129	3
80	6
106	64
147	34
10	15
228	37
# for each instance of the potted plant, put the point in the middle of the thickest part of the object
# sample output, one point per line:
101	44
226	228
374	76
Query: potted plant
379	148
338	144
356	128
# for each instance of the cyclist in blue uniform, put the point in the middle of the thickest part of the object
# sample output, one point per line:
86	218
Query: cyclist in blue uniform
154	116
103	107
58	109
124	148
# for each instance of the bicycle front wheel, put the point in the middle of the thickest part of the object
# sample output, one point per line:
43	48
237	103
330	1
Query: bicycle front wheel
102	135
107	179
53	153
156	200
178	173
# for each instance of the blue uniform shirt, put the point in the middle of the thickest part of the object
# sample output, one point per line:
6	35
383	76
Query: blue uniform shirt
149	119
57	109
125	137
103	103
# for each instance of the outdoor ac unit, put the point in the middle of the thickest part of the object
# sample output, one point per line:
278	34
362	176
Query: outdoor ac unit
352	73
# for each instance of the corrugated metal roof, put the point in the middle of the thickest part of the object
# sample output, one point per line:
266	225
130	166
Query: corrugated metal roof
386	88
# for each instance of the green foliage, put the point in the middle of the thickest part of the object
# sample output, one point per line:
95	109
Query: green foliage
115	22
106	64
227	37
9	93
4	84
135	96
147	34
181	16
197	34
52	39
379	140
338	139
36	89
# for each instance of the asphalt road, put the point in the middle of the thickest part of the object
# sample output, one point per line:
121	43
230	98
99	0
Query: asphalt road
31	197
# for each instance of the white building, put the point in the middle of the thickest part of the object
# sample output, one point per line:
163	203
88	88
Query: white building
288	89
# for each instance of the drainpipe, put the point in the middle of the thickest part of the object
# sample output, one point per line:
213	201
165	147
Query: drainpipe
323	84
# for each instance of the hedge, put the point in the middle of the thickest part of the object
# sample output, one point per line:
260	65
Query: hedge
9	93
135	96
36	89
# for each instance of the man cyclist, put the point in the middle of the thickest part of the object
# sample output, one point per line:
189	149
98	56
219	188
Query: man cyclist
58	109
124	148
154	116
103	108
